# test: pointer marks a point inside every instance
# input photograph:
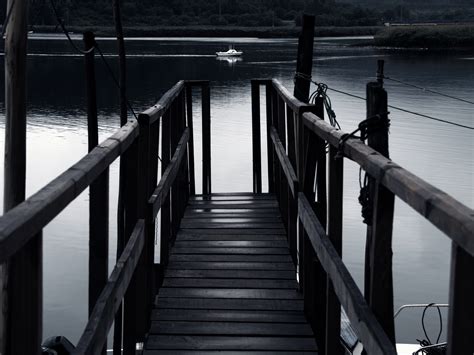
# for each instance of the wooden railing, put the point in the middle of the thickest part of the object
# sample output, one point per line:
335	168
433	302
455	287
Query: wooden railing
134	279
297	136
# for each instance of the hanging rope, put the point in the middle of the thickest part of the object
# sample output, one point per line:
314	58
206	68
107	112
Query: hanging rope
7	19
66	32
427	90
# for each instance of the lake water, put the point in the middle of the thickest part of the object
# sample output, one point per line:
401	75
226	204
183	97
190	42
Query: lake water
439	153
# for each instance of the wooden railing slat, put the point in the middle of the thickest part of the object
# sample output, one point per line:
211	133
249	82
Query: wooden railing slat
256	144
157	110
284	162
362	320
102	317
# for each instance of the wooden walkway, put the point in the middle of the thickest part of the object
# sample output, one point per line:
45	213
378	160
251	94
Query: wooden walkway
230	286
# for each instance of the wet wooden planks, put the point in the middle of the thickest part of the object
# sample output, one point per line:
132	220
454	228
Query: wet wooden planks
230	286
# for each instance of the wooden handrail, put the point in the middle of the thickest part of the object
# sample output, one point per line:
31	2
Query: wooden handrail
449	215
157	110
103	314
284	162
362	319
168	177
24	221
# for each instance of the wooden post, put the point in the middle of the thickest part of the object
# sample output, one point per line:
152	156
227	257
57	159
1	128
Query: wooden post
99	190
206	140
21	298
461	308
131	157
276	162
269	94
256	144
335	208
175	191
379	234
189	114
304	61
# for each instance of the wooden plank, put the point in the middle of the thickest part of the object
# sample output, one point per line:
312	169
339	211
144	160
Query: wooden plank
207	315
229	237
157	110
230	251
233	274
232	244
253	204
220	352
231	303
21	223
197	265
230	343
229	293
229	218
203	212
239	225
102	317
449	215
362	319
256	144
233	197
167	179
461	311
230	328
269	113
222	231
231	258
231	283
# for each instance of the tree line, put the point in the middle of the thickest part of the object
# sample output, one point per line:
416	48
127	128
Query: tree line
139	13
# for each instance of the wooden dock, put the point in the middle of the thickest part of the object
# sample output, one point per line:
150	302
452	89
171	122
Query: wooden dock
230	284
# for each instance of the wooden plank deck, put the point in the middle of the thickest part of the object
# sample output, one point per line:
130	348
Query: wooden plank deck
230	286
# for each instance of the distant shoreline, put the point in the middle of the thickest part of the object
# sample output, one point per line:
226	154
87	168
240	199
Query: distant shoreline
223	31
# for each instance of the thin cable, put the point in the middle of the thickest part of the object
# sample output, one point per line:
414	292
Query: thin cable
407	111
66	32
440	322
7	19
428	90
112	74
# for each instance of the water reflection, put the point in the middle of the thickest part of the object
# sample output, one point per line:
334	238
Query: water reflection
441	154
231	61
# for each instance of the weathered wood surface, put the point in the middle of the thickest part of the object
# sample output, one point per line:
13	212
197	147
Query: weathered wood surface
25	220
230	289
157	110
449	215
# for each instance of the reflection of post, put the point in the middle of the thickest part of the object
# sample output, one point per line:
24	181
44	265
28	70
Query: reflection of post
21	289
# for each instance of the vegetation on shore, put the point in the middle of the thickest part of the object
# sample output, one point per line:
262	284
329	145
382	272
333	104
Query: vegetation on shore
431	37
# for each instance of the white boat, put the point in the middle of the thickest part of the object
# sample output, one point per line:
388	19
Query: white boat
231	52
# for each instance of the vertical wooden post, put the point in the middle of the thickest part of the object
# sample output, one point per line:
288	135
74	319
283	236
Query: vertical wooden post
206	140
304	61
256	144
276	162
166	207
379	233
189	114
131	157
174	138
99	190
269	94
461	308
335	208
21	282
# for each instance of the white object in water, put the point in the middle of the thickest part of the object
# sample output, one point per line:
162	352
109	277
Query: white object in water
229	53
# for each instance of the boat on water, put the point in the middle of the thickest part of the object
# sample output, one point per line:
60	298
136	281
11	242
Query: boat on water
231	52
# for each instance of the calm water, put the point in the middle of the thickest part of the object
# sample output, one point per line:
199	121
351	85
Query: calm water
440	154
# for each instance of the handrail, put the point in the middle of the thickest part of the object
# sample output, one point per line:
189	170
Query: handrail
168	177
21	223
284	162
449	215
361	317
103	314
156	111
